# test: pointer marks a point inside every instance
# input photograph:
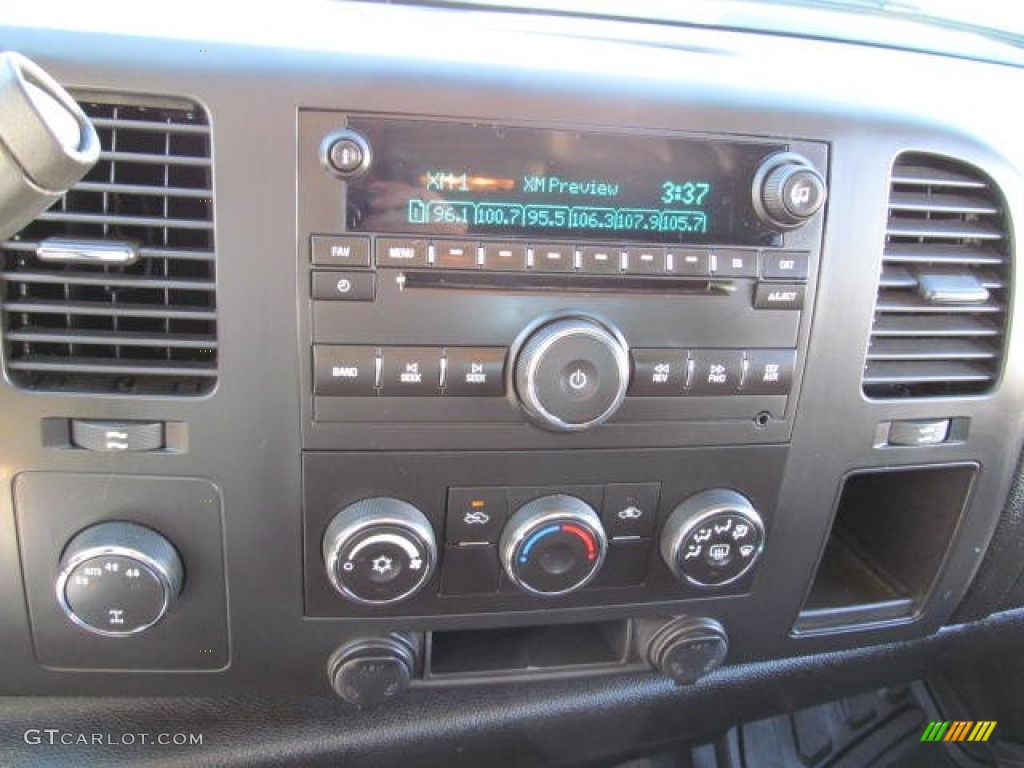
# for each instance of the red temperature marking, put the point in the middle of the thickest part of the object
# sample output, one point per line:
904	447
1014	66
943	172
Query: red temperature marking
588	539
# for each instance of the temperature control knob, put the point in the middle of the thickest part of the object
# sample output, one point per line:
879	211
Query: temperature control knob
571	374
712	538
788	191
118	579
553	545
379	551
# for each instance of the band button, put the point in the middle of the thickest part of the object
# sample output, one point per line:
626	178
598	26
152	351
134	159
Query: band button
344	371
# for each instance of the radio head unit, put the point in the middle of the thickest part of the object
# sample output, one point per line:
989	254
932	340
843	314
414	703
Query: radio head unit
473	285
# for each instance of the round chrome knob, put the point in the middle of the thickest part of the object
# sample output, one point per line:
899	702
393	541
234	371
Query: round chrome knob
572	373
553	545
379	551
712	538
118	579
788	191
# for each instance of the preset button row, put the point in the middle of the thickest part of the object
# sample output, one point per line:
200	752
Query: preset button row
416	253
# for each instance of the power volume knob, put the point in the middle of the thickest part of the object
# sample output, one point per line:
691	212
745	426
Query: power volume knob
118	578
572	373
379	551
788	191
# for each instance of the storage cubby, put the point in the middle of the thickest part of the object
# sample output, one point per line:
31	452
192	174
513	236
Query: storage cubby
890	534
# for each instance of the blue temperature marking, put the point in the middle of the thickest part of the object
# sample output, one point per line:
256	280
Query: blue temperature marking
525	553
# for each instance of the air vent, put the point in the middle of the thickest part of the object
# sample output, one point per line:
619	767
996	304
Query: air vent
940	318
113	288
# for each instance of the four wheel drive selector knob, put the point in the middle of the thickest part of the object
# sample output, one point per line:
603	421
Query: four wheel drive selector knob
379	551
553	545
118	579
572	373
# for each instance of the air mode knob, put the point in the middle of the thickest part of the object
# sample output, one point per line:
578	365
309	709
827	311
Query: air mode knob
572	373
712	538
118	578
788	191
553	545
379	551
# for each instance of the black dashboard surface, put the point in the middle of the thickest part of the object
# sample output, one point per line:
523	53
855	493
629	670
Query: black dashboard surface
256	466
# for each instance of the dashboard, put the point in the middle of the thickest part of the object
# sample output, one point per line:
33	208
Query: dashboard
449	351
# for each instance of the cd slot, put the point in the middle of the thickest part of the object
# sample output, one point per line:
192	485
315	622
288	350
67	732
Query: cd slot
565	283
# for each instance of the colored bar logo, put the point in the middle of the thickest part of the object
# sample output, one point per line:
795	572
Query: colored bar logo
959	730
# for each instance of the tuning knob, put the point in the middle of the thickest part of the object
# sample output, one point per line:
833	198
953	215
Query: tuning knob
553	545
788	191
713	538
379	551
572	373
118	579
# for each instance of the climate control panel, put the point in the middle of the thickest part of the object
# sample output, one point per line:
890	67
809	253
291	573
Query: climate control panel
455	548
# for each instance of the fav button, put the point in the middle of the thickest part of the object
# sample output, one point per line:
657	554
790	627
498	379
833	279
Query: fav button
410	371
341	251
716	372
475	372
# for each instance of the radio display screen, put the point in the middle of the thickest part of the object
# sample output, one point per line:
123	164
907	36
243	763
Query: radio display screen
444	178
